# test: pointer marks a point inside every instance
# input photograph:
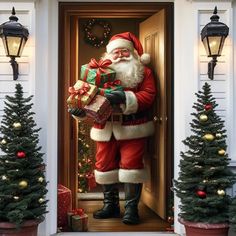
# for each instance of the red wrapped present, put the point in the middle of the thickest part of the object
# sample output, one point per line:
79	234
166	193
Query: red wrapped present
99	109
81	94
78	220
97	73
64	202
91	181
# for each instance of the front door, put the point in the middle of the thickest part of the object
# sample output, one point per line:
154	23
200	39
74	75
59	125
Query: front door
156	37
152	36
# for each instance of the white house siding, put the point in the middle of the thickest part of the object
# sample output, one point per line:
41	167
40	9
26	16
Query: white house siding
39	67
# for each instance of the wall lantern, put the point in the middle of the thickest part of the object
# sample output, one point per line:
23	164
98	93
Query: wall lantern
14	36
213	37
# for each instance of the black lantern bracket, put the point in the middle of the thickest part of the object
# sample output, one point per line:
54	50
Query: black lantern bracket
14	37
213	36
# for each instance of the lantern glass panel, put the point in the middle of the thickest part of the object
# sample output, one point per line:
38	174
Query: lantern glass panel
214	44
14	44
5	45
206	46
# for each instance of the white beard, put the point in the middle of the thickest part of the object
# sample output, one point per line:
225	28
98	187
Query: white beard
130	71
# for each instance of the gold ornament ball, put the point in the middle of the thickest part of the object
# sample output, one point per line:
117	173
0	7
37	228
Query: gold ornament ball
3	142
221	152
23	184
4	177
218	135
40	179
17	125
209	137
41	200
203	118
220	192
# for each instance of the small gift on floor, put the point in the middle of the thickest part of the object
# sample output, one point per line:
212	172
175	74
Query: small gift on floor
64	202
97	73
99	109
81	94
91	181
78	220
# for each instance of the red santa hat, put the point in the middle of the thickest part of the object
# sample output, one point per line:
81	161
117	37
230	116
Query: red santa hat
130	41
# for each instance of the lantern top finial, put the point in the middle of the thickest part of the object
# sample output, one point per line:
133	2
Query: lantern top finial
215	17
13	15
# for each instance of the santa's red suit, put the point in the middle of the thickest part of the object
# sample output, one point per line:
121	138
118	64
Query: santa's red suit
121	140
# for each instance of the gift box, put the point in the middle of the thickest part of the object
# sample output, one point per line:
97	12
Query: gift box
78	220
64	202
97	73
99	109
81	94
91	181
110	86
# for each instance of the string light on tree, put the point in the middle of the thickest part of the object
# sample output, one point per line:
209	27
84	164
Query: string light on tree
40	179
3	141
220	192
218	135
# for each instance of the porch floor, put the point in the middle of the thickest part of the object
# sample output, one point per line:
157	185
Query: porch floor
150	222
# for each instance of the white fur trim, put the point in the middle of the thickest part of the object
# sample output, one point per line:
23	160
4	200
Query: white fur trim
133	176
108	177
101	134
145	58
131	104
119	43
122	132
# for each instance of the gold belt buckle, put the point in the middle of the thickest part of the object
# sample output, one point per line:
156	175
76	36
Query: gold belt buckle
117	118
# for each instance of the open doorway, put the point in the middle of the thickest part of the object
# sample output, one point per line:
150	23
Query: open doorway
153	23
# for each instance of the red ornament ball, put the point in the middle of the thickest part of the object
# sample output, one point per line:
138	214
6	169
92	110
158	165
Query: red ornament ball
21	154
201	193
208	107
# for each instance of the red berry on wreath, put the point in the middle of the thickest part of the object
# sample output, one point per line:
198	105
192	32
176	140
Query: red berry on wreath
201	193
208	107
21	154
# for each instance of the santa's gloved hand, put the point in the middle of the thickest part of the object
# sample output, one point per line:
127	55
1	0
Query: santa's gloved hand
77	112
116	97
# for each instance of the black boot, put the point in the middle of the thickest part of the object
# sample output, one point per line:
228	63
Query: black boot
111	207
132	196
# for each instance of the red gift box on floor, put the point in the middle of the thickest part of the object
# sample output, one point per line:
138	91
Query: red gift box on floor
64	201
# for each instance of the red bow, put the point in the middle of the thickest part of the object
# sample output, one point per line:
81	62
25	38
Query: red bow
78	211
83	90
112	84
101	67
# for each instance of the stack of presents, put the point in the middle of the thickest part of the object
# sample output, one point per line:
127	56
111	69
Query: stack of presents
67	219
96	79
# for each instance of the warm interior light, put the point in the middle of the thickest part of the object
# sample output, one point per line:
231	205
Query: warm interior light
215	45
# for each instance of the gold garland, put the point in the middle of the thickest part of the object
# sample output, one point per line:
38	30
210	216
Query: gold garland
92	39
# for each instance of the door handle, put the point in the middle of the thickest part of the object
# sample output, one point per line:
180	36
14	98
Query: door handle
157	119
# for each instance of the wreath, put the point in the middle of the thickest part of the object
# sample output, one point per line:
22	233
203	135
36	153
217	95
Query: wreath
92	39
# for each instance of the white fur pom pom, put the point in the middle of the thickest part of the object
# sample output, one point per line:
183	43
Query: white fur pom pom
145	58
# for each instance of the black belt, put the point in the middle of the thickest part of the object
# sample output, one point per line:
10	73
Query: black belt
127	118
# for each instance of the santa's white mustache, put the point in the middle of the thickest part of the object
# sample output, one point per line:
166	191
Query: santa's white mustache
122	59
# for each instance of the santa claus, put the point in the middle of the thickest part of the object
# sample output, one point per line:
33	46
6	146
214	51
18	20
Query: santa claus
121	140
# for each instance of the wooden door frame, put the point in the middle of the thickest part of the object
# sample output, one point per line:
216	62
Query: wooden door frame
68	73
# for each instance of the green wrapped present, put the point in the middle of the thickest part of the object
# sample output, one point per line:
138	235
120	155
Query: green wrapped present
97	73
78	220
110	86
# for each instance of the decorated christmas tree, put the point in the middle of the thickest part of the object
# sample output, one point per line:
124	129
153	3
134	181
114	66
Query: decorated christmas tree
204	173
22	180
232	214
86	179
